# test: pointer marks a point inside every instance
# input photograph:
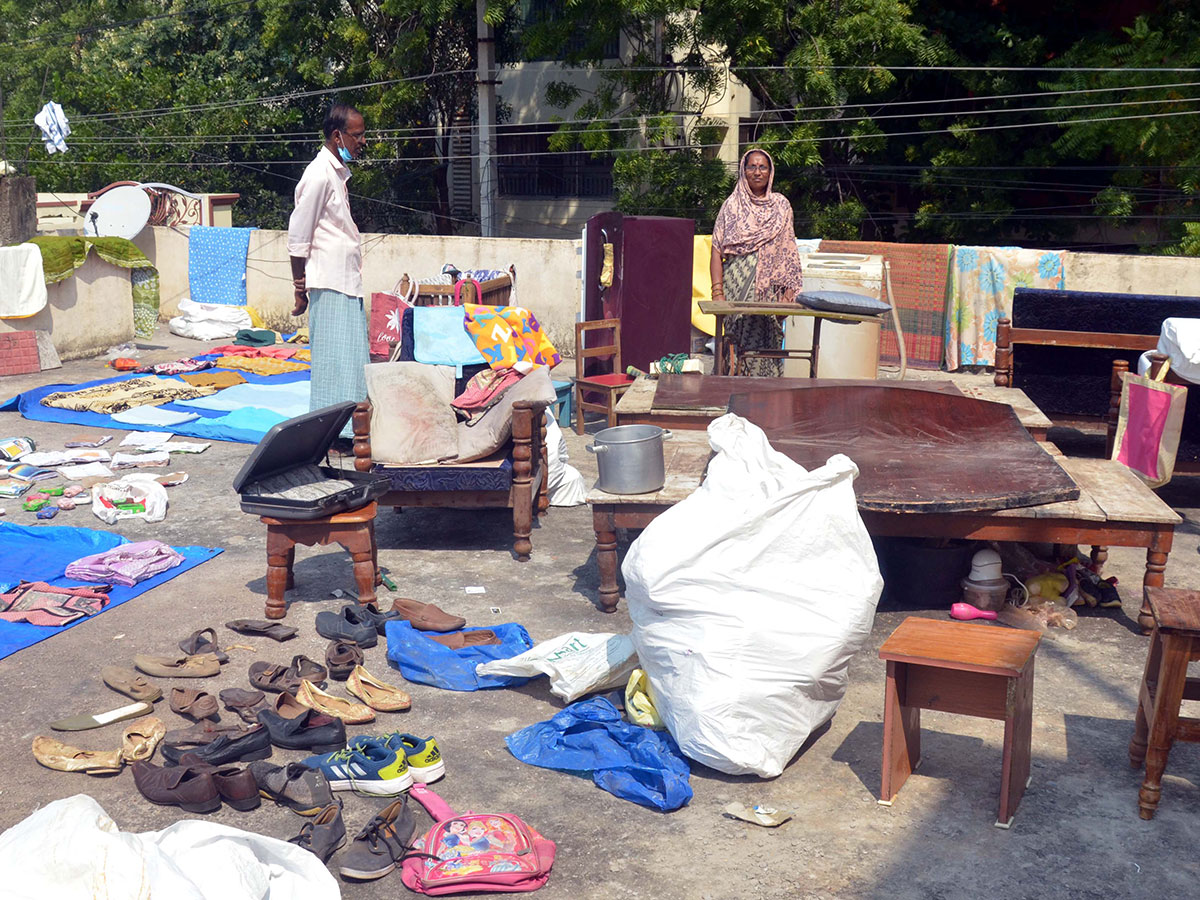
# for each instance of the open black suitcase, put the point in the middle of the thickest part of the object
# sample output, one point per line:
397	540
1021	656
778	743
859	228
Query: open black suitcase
283	478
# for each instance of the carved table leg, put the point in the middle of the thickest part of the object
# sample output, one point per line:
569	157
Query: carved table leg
606	558
1146	694
280	551
1156	564
291	566
1099	557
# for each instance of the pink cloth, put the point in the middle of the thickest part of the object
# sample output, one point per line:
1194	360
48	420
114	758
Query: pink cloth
278	351
38	603
127	564
321	229
764	225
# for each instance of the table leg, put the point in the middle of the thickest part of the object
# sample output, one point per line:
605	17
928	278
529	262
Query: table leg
1099	558
816	347
1156	564
1146	692
606	557
291	567
901	734
1018	741
719	345
280	552
1172	674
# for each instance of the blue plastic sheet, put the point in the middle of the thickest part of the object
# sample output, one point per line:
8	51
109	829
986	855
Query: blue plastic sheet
426	661
42	553
630	761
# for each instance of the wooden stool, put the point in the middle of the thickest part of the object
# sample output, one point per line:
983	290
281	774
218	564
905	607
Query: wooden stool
354	530
1174	642
973	670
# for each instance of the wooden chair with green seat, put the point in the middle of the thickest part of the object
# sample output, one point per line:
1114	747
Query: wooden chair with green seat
611	384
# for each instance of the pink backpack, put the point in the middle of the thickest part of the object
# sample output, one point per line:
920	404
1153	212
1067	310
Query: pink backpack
474	852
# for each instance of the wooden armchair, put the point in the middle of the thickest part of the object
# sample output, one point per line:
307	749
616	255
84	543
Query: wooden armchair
516	477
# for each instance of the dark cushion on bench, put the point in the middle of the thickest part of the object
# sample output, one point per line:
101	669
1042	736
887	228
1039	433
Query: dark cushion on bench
449	478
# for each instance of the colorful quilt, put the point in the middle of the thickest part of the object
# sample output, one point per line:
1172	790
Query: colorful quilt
982	283
920	275
508	335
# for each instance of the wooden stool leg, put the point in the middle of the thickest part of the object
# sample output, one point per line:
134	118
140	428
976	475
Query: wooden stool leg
612	409
606	559
1141	722
1018	742
901	734
291	566
280	551
1165	719
578	409
374	553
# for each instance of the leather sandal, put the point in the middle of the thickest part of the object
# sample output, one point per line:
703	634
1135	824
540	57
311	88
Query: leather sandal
270	677
193	704
274	630
305	669
203	641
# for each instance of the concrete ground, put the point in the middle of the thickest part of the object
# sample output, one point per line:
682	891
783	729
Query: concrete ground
1076	835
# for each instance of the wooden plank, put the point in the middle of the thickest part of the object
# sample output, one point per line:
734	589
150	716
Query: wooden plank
1085	508
777	309
1118	492
1027	411
639	397
1097	339
969	647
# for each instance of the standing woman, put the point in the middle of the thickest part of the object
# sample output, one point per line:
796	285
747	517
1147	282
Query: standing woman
754	259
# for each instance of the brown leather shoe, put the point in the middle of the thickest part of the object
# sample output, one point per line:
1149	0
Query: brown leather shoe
235	784
341	657
426	616
244	703
193	704
475	638
188	788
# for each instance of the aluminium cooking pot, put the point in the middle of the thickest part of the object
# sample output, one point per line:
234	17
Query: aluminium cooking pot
630	459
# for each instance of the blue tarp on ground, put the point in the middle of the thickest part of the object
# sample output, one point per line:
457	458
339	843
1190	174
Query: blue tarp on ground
43	552
247	427
426	661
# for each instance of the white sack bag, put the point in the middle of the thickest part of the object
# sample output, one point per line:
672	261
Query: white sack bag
748	600
578	663
208	321
565	483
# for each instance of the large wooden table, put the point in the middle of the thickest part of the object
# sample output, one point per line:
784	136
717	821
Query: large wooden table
1114	509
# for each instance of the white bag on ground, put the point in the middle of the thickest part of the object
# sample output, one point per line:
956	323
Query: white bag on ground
208	321
564	482
72	849
748	600
578	663
140	486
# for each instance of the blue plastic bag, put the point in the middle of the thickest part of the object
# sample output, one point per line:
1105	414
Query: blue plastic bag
425	661
630	761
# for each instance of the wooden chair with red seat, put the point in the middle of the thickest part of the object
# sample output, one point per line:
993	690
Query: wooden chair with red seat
612	384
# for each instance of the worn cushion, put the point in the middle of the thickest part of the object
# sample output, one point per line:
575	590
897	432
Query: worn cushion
491	431
411	417
496	475
843	302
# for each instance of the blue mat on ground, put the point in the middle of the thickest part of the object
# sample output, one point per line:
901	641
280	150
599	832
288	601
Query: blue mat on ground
217	264
425	661
43	552
246	425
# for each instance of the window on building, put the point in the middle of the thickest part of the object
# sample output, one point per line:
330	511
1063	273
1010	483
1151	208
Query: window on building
527	168
537	12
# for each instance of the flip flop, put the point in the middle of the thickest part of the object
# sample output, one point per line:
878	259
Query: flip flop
196	642
130	683
83	721
459	639
273	630
141	737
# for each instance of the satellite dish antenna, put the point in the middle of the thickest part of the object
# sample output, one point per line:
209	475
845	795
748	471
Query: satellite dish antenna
120	212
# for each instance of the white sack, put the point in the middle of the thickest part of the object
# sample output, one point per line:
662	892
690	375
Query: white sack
208	321
748	600
138	486
71	850
564	483
577	663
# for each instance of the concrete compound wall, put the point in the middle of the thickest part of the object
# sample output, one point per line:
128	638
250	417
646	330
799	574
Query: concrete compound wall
86	313
547	271
1118	273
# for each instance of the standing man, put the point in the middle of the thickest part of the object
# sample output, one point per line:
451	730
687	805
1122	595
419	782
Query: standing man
324	246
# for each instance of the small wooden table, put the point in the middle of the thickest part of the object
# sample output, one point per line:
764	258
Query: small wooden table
353	529
956	667
685	458
637	405
812	354
1174	643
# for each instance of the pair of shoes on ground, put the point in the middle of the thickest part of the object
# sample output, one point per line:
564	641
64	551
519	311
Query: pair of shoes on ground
383	766
375	693
276	679
293	726
374	852
196	786
138	742
363	624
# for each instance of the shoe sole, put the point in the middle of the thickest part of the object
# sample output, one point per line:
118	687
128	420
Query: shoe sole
211	806
314	749
392	787
427	774
361	875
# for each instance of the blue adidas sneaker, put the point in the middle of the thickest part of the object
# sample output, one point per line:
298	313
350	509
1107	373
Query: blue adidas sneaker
424	757
370	767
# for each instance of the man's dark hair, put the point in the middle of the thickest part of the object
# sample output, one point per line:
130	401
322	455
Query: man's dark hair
335	119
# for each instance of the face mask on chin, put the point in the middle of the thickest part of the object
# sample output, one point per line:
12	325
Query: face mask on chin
344	153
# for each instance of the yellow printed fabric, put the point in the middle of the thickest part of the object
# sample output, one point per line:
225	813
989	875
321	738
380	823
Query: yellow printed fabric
508	335
260	365
702	283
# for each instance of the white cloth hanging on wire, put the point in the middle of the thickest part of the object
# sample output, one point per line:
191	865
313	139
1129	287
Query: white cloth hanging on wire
53	122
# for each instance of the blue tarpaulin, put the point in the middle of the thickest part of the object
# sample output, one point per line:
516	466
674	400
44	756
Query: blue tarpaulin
43	552
426	661
630	761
